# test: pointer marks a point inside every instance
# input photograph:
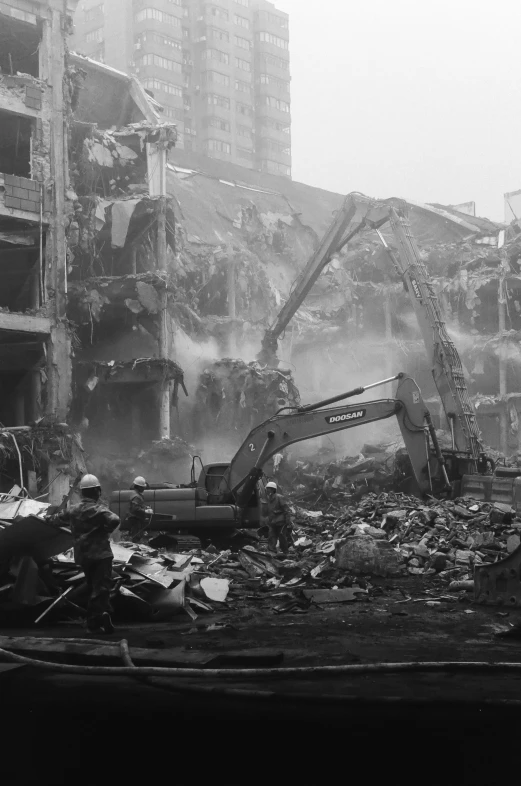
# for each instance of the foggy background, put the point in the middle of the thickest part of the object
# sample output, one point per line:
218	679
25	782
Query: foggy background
411	99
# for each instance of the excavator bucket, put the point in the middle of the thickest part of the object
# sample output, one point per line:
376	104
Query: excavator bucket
499	584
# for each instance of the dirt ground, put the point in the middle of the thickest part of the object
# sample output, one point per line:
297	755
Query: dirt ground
463	723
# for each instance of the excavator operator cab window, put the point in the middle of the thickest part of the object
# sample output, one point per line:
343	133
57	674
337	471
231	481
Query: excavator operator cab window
216	485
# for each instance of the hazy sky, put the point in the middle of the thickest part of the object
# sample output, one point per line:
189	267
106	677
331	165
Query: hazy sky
408	98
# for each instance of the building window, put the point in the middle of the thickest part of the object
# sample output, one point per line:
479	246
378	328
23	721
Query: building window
275	103
243	109
242	87
186	33
216	100
214	77
162	40
92	13
217	35
244	131
216	54
274	168
241	21
269	122
220	13
278	84
245	3
218	146
159	16
165	87
160	62
244	65
244	43
269	38
276	147
247	155
95	35
216	122
174	112
274	19
176	2
273	60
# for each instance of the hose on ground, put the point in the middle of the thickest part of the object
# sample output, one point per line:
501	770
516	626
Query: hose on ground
284	672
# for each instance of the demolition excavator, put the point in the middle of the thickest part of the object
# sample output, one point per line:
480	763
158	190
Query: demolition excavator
470	471
227	496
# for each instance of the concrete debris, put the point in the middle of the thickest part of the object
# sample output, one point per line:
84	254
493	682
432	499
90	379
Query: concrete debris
235	396
336	558
392	534
376	468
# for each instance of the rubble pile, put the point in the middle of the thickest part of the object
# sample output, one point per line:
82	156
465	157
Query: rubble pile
333	558
376	468
447	538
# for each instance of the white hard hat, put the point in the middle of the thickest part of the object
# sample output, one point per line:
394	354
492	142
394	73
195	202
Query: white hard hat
140	481
271	485
89	482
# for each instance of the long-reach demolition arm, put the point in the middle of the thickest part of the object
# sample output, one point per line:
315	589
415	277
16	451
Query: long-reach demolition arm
359	212
278	432
349	219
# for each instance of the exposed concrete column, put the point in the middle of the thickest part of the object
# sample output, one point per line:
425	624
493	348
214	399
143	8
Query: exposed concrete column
36	394
503	415
59	363
231	291
164	348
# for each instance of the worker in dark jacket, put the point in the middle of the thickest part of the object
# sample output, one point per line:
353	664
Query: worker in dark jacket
91	524
139	513
279	519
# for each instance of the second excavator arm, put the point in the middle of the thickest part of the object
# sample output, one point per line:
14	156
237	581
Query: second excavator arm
445	361
280	431
347	223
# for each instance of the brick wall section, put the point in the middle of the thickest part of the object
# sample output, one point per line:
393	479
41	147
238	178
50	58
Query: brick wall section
22	193
33	97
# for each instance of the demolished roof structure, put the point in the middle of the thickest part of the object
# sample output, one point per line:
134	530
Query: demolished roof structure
267	227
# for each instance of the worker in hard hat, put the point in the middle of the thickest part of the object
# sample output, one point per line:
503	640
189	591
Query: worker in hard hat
278	513
139	513
91	524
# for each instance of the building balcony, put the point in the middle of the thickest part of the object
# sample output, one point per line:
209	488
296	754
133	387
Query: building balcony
274	155
264	89
268	132
275	114
213	132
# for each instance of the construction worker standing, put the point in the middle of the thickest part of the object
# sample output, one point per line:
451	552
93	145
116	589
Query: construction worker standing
91	524
279	519
139	513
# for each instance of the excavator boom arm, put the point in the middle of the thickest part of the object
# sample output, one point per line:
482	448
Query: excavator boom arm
348	221
279	432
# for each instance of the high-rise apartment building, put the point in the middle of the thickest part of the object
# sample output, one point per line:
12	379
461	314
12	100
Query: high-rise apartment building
220	68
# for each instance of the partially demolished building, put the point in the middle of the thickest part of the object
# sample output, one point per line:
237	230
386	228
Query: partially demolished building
126	260
77	201
35	338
